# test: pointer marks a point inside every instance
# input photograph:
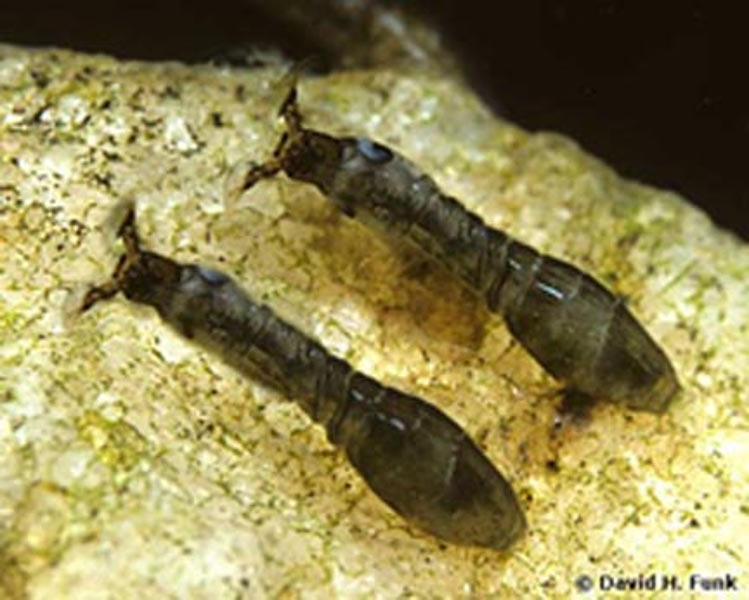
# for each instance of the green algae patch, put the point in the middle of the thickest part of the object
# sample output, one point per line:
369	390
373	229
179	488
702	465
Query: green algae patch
116	444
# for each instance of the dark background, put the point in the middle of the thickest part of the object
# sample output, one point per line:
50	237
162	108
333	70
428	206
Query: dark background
656	89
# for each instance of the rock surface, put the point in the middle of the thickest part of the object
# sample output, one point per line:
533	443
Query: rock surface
133	464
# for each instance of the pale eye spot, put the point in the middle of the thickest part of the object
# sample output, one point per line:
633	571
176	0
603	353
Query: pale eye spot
211	276
372	151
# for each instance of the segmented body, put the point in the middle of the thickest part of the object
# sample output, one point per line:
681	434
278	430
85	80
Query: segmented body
412	455
571	324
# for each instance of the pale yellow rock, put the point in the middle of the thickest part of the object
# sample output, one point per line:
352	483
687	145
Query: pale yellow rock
135	465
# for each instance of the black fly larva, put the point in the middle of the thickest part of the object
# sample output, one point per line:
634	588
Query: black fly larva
411	454
575	328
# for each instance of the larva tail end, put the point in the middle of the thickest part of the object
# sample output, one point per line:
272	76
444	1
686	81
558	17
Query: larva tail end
660	396
576	405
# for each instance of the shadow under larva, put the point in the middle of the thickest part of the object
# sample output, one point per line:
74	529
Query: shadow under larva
579	331
411	454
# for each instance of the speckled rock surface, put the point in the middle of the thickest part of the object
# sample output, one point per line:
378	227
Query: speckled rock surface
133	464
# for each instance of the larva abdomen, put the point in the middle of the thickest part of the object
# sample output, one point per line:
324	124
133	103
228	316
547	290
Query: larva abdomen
426	468
581	333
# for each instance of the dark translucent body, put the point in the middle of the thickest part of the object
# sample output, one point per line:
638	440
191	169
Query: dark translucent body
412	455
573	326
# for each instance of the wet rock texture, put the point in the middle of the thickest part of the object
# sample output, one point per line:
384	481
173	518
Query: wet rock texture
134	464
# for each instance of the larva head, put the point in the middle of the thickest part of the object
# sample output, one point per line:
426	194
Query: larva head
143	277
148	278
311	156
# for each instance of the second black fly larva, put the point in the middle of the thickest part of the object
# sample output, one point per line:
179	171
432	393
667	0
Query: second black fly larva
572	325
411	454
